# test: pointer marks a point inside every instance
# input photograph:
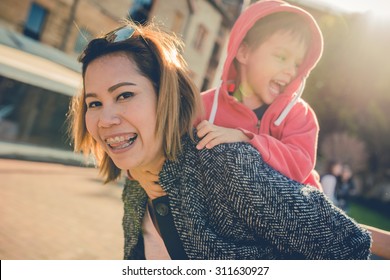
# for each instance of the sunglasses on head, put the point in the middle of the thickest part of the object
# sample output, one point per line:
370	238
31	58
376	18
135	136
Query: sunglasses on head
120	35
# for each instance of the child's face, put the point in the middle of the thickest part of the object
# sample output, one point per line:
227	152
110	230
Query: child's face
268	68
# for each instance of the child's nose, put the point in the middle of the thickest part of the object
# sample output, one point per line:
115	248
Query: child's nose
291	70
108	117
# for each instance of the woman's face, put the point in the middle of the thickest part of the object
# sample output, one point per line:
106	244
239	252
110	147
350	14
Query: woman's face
121	111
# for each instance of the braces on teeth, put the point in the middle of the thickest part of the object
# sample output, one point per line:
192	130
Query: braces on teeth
119	139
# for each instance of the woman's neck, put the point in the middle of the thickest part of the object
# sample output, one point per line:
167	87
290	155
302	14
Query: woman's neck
155	166
148	177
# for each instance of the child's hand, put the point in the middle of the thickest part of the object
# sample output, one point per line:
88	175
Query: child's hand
214	135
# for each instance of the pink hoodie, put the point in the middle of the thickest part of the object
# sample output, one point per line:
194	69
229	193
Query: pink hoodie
288	133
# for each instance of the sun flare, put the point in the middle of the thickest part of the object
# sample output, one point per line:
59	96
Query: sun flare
377	8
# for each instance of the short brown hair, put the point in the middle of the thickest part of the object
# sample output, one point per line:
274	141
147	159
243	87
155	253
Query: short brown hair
281	21
157	54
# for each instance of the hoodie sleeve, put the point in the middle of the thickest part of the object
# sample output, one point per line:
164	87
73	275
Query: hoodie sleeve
296	219
291	148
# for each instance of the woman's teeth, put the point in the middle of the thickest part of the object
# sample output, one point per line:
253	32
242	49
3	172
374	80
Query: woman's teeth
120	142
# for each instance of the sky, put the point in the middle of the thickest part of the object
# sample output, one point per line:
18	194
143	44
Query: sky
379	8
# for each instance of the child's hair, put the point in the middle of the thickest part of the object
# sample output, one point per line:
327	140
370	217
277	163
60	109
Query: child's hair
157	56
288	22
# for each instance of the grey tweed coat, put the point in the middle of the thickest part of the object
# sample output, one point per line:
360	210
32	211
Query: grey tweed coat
227	203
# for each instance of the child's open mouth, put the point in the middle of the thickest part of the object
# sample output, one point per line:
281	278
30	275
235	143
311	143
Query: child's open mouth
277	87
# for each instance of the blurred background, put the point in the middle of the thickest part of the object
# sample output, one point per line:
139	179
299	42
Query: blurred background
53	205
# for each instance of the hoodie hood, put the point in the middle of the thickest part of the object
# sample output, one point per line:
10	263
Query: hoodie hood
246	21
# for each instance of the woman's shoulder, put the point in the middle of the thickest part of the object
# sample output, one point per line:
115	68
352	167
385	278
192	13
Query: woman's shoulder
231	155
221	150
235	151
235	165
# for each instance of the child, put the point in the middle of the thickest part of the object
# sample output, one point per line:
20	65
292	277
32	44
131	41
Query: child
273	47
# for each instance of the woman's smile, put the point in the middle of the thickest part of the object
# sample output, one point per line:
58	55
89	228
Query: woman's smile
121	111
121	143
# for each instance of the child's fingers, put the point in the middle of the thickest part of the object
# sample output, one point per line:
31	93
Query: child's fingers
202	132
214	142
203	129
202	124
202	143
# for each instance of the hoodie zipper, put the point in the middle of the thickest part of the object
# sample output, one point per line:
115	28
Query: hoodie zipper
258	126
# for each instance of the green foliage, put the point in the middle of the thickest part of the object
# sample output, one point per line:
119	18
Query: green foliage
367	216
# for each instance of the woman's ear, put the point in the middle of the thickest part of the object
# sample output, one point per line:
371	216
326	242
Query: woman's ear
243	53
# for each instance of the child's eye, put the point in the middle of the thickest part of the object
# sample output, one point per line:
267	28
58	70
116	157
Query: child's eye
94	104
125	95
281	57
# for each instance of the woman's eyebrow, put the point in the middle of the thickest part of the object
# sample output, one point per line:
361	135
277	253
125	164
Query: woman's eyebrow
118	85
111	89
90	95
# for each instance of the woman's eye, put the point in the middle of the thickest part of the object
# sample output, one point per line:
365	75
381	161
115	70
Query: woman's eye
94	104
125	95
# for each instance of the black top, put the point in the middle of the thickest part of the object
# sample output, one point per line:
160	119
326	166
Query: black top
261	111
163	215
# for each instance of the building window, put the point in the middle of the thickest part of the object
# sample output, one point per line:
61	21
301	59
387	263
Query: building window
177	22
200	37
82	40
35	21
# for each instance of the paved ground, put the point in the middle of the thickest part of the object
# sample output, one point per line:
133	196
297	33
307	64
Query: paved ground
54	211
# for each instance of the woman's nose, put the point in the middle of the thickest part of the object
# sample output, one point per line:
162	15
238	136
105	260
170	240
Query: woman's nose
108	117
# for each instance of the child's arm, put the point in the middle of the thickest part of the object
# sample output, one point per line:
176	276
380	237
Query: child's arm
213	135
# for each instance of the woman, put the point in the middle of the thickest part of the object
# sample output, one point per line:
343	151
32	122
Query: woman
136	113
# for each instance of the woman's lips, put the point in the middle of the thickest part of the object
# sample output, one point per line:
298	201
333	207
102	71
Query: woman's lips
120	142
